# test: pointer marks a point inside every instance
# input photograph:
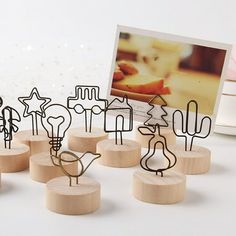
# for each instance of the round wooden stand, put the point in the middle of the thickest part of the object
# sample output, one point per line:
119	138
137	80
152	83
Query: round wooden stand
144	139
78	199
43	170
152	188
81	141
113	155
14	159
197	161
37	143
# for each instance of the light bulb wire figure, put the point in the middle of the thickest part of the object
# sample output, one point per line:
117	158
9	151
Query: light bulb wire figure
56	135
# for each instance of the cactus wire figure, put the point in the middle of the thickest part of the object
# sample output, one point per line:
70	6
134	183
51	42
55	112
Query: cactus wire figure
188	123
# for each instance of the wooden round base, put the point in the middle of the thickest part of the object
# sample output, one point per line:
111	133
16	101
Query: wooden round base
37	143
113	155
43	170
81	141
197	161
144	139
78	199
14	159
148	187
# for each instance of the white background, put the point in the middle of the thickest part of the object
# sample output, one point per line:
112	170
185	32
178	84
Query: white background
55	45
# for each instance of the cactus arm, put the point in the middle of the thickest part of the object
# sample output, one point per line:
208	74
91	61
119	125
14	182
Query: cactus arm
182	125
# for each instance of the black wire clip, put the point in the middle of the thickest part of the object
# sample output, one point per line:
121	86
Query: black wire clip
187	123
34	112
87	100
117	107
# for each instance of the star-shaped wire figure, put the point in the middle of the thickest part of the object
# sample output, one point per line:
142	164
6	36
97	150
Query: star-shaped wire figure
34	107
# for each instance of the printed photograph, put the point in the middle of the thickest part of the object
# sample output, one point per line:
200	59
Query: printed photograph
146	66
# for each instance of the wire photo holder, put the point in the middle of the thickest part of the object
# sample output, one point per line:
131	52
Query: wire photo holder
34	108
192	159
156	115
87	102
157	184
14	157
45	165
119	152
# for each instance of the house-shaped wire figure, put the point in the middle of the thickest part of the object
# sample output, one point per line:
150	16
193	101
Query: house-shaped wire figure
120	120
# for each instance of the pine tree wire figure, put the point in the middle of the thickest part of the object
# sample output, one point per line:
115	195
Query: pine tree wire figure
186	128
34	113
8	126
119	118
153	130
87	95
150	103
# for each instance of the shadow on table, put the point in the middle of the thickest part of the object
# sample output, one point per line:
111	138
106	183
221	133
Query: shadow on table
107	207
193	197
6	187
217	169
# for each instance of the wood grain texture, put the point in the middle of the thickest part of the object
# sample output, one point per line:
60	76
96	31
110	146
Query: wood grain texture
78	199
144	139
197	161
43	170
120	156
81	141
37	143
152	188
14	159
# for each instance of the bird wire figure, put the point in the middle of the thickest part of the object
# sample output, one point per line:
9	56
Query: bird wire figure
70	157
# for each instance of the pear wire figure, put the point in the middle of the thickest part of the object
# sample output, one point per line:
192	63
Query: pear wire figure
153	130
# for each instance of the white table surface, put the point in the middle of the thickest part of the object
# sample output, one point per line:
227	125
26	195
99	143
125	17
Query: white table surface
56	44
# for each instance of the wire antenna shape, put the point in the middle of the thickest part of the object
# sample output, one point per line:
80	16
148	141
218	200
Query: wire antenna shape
87	100
189	121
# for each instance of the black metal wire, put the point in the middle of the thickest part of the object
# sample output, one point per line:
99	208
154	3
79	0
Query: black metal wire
149	112
78	159
118	112
8	126
87	93
151	131
54	112
185	132
34	112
